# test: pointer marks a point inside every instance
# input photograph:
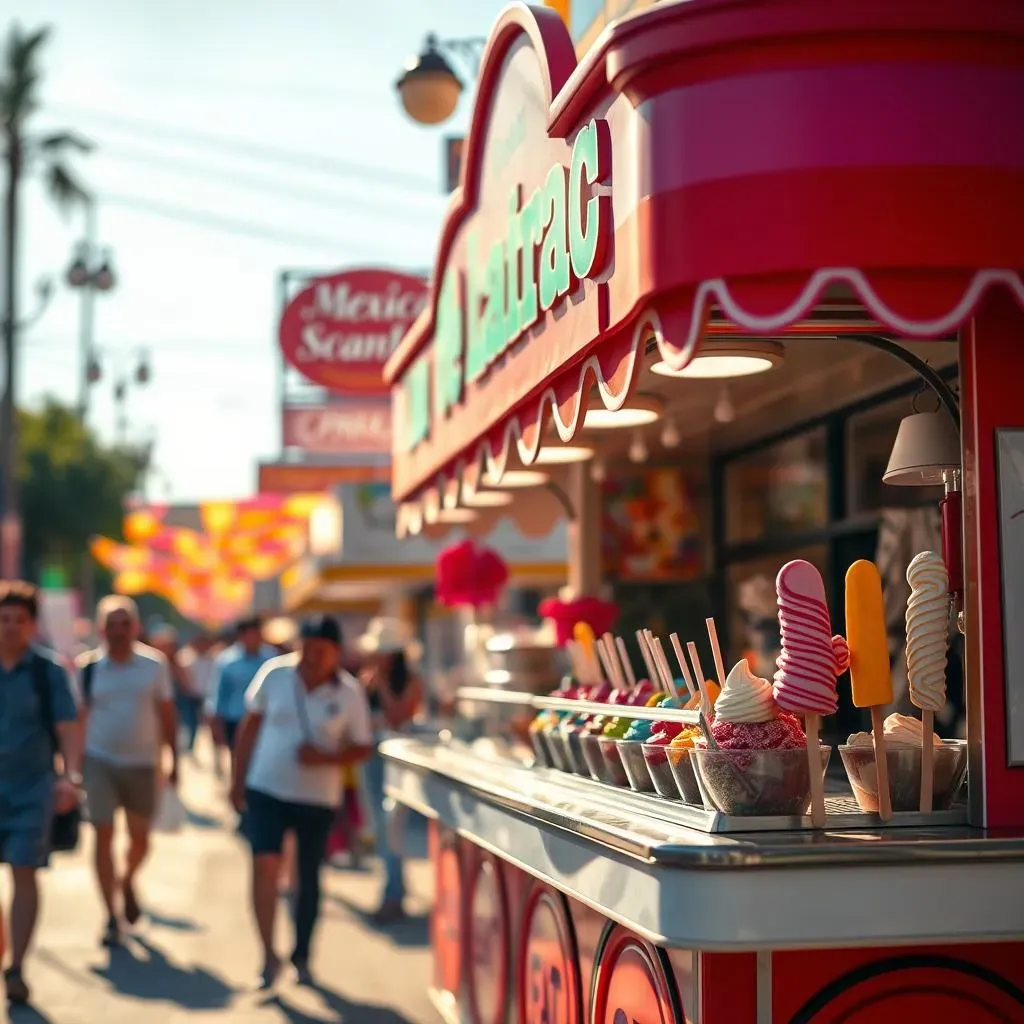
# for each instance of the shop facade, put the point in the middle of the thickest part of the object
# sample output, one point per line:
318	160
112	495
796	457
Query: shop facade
713	185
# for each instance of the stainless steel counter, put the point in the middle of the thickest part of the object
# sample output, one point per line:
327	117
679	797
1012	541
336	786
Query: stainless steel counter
636	860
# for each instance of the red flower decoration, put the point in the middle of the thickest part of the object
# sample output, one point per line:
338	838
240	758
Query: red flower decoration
599	615
468	576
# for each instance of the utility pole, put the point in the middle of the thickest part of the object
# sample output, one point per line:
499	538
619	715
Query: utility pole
10	517
91	272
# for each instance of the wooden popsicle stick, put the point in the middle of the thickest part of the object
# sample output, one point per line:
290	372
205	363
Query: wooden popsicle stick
811	722
607	671
652	672
716	652
666	671
705	697
681	658
660	678
610	660
575	659
927	760
881	765
620	646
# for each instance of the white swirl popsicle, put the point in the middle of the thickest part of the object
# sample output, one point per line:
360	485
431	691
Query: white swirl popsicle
927	631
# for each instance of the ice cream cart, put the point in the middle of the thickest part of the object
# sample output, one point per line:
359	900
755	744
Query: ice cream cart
832	194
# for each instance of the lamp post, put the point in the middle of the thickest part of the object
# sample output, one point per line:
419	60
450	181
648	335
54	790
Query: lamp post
90	272
140	375
429	86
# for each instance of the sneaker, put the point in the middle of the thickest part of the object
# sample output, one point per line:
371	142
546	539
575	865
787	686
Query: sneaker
18	993
112	935
303	975
389	912
271	969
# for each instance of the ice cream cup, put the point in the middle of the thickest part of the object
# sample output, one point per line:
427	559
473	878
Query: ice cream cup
590	743
657	757
556	744
949	764
572	740
541	749
680	761
754	783
632	754
615	774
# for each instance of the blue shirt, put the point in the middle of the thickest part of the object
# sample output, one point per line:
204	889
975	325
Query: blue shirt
233	672
26	749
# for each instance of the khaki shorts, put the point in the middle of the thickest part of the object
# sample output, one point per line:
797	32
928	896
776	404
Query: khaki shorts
109	786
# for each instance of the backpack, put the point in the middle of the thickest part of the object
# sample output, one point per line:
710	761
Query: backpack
65	827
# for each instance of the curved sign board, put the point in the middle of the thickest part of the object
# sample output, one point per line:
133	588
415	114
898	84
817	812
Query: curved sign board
340	330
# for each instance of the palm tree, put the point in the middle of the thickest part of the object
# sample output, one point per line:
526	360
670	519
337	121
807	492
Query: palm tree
23	153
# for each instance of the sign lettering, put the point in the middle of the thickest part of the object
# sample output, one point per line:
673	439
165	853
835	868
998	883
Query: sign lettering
340	330
559	236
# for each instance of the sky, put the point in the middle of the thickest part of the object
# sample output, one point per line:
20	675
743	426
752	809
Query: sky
233	139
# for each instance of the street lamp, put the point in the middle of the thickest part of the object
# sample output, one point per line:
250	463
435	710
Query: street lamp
91	271
429	87
140	375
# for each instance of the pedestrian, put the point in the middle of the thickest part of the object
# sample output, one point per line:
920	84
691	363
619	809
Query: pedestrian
188	702
395	693
40	763
305	720
129	717
234	671
199	658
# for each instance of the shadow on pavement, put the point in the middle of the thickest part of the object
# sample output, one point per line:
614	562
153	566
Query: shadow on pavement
143	972
171	923
197	820
345	1010
28	1015
413	930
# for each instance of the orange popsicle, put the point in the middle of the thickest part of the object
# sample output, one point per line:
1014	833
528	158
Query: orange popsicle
870	676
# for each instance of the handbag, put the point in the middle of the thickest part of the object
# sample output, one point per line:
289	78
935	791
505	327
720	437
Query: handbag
66	826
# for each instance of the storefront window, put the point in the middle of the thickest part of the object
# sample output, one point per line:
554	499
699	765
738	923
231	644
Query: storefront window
777	490
869	439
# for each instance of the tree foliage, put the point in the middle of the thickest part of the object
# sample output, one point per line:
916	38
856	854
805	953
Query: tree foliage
72	487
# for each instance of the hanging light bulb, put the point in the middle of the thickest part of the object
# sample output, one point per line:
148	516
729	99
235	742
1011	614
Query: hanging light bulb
638	448
670	437
724	411
598	472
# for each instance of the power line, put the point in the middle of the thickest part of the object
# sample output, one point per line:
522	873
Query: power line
228	225
254	150
255	182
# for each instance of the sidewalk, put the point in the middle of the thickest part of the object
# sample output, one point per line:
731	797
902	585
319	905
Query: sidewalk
194	958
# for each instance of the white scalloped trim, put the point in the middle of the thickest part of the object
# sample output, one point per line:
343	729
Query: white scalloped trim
709	293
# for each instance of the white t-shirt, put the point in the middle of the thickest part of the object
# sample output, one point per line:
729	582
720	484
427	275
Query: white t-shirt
124	724
336	714
201	667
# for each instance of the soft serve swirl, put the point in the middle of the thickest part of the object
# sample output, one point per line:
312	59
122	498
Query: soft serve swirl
746	698
927	631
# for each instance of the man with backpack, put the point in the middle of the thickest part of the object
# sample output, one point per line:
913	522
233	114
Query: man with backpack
38	726
129	717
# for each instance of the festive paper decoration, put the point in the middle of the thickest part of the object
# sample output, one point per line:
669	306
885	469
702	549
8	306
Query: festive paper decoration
599	615
469	576
208	574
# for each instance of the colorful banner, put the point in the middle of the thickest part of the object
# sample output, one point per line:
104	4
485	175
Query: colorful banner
209	574
352	427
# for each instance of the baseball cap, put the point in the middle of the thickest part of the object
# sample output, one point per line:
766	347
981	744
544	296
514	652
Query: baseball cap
321	627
